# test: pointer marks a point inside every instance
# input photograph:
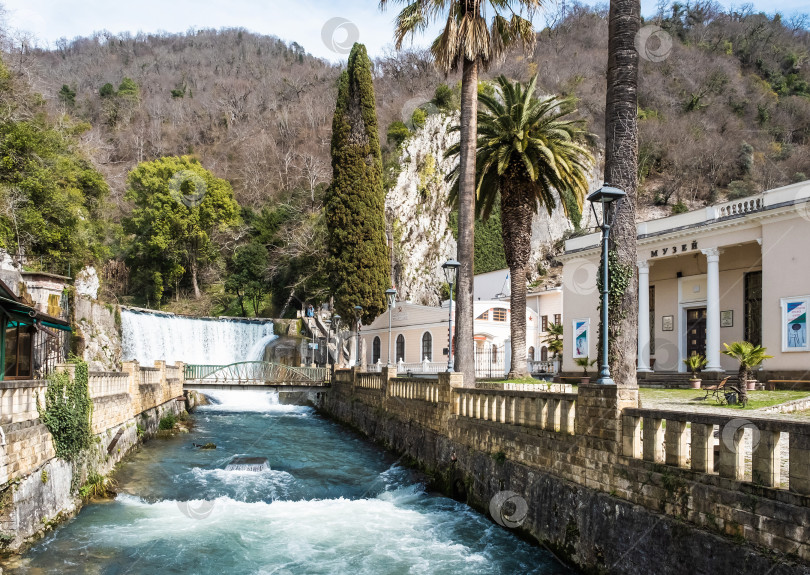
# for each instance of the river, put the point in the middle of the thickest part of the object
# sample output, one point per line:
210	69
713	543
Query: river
330	503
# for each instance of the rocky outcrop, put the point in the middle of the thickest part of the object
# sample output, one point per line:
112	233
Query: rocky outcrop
418	214
99	330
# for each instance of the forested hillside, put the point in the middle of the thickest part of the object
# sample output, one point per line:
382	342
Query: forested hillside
724	108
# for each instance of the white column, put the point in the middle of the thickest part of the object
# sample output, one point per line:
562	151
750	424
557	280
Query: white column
643	316
712	309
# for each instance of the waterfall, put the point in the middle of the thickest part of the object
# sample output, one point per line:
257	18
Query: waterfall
147	337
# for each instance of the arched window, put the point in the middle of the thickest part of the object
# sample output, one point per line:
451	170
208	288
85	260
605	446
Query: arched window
427	347
499	314
400	348
544	353
530	355
375	350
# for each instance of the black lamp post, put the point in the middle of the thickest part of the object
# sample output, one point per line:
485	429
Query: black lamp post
338	350
606	195
358	311
391	295
450	268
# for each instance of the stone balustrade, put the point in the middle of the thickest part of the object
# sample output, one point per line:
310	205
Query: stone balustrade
766	452
106	383
415	388
369	380
18	400
548	411
149	376
742	206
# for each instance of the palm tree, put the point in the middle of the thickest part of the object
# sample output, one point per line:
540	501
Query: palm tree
470	43
554	338
530	153
749	356
621	170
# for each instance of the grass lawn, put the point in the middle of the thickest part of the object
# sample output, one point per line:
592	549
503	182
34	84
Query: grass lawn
694	397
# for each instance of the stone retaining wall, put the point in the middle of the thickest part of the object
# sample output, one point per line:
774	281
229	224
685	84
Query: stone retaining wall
37	489
588	501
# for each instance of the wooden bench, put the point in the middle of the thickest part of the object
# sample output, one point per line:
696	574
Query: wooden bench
771	385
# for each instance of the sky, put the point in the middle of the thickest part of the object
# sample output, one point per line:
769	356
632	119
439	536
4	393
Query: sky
324	28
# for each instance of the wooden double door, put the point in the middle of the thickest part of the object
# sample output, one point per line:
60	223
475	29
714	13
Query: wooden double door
696	331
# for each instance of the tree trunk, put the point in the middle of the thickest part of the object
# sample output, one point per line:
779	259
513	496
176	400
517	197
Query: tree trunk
621	170
194	283
516	231
465	350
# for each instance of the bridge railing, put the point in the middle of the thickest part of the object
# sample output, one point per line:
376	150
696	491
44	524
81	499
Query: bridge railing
257	371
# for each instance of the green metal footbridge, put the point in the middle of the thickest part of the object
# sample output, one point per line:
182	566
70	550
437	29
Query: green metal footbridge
256	374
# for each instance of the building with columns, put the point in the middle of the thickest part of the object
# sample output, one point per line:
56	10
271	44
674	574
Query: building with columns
739	270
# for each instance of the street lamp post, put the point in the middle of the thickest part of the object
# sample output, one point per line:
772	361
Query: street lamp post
450	268
338	351
606	195
391	295
358	311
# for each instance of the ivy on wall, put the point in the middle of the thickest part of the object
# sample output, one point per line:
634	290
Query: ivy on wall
67	411
619	278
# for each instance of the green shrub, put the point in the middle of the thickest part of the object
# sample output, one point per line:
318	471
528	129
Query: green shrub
97	486
167	422
679	208
67	411
398	132
418	118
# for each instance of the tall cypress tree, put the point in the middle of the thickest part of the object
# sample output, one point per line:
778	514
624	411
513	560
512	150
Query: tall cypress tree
359	267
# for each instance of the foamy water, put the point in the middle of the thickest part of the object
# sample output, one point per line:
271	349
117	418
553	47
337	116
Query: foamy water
330	503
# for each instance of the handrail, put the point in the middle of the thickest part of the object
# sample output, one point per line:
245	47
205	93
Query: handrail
255	371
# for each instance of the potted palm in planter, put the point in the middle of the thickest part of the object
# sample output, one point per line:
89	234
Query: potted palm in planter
584	363
749	356
695	363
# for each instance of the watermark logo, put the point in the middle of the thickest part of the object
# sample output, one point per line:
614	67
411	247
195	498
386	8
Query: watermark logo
802	202
666	354
732	434
508	509
339	34
196	509
581	279
653	43
411	106
188	188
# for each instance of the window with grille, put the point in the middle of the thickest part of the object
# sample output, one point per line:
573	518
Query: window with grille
375	350
530	355
400	347
427	347
544	353
544	323
484	316
558	318
499	314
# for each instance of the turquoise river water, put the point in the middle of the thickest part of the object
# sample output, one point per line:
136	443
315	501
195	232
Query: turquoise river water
330	503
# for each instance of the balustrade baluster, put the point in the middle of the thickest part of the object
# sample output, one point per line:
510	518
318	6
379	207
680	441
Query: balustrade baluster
765	459
677	446
653	449
732	457
799	474
702	447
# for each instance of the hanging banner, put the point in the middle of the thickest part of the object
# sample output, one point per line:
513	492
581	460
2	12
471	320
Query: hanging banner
794	324
581	335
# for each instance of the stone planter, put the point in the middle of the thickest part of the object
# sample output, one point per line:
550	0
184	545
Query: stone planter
584	380
695	383
750	384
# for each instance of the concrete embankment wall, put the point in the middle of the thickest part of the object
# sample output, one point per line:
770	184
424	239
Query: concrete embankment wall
37	489
595	507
